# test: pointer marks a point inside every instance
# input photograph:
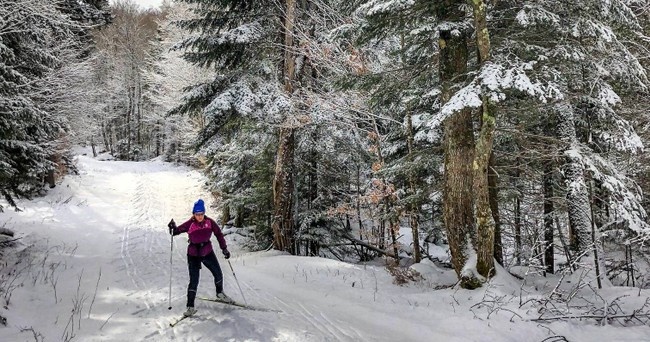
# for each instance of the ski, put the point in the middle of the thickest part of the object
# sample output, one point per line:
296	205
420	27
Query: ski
239	305
178	320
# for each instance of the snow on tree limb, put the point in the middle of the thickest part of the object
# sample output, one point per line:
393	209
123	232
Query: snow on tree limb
495	81
625	196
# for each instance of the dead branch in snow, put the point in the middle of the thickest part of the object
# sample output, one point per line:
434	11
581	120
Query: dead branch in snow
38	337
108	319
371	247
634	315
95	295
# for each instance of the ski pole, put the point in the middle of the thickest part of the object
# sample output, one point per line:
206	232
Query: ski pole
171	254
237	281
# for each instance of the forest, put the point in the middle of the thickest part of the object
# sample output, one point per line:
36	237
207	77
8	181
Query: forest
510	134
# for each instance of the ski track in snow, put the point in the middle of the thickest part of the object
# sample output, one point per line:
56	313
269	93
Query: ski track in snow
143	242
322	324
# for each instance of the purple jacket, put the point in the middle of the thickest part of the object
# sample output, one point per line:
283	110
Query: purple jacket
200	234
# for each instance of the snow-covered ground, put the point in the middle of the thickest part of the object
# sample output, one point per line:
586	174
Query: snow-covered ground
93	265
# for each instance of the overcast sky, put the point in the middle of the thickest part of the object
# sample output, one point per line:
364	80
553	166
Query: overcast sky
147	3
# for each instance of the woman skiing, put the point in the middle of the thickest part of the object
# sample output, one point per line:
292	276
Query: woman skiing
199	228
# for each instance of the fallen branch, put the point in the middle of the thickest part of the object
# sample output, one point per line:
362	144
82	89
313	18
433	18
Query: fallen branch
95	295
109	317
598	317
373	248
38	337
556	338
333	253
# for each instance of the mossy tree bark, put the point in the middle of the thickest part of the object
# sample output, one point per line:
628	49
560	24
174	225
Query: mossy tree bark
485	223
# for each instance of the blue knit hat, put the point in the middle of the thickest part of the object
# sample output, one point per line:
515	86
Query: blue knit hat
199	207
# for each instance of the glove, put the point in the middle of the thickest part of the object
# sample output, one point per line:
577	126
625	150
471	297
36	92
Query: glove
171	225
226	254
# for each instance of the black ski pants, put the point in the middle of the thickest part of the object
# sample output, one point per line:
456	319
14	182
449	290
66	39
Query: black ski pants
194	266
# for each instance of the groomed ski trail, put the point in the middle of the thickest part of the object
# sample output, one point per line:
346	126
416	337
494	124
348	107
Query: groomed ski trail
118	214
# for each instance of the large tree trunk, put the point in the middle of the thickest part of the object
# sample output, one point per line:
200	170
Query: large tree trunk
458	197
484	221
458	144
283	182
547	184
578	205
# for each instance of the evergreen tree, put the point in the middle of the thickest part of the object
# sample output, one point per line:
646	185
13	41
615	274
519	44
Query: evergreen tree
257	101
593	72
37	39
240	40
400	92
